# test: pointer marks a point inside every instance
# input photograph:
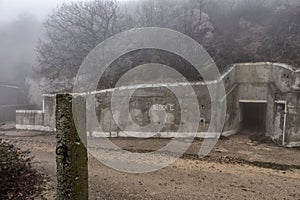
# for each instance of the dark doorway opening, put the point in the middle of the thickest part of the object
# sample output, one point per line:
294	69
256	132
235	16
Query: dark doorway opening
253	117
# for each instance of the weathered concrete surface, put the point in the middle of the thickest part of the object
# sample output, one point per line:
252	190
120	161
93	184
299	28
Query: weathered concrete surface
71	159
49	107
276	85
31	120
39	120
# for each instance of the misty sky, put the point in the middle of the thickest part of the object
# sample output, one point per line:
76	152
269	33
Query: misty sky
11	9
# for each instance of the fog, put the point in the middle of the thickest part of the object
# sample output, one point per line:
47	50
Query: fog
21	26
10	10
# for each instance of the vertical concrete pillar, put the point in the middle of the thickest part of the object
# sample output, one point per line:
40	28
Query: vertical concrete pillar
71	159
49	104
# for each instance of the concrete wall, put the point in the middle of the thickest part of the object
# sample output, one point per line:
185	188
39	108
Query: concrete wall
8	112
49	108
276	85
40	120
31	120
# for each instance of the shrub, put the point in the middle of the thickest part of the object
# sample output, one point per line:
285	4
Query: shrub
18	180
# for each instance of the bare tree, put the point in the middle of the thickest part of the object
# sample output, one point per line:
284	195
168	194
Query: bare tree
186	16
231	30
73	30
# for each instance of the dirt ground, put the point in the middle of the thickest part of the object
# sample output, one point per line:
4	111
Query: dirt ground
238	168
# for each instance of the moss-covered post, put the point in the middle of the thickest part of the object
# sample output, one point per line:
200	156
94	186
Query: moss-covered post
71	159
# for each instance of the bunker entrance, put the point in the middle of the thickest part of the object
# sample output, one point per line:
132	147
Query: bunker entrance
253	117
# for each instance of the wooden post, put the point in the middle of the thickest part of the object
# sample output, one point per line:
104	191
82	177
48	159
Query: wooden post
71	159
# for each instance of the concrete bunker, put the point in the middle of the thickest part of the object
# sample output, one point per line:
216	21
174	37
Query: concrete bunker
264	96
